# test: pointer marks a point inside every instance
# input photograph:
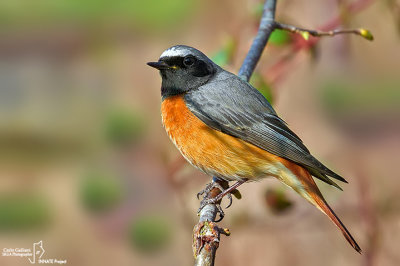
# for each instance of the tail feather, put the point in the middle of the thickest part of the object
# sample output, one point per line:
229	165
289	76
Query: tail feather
324	207
301	181
323	177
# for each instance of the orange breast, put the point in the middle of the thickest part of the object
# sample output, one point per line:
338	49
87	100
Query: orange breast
212	151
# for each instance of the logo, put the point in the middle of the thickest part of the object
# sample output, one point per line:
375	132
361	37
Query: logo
33	254
38	251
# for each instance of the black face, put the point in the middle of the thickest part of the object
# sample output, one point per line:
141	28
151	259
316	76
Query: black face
181	74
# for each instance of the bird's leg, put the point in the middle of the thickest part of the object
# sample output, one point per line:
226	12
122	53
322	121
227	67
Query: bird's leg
222	188
228	191
211	186
211	191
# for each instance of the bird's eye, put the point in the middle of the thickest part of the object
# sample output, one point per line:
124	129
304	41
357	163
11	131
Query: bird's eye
189	60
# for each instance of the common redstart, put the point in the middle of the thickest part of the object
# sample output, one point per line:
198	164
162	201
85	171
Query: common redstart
226	128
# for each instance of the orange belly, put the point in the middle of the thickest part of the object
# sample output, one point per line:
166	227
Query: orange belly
212	151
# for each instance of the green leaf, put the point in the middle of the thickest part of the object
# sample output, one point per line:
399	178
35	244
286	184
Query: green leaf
279	37
262	86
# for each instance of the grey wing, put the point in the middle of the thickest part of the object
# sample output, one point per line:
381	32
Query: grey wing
236	108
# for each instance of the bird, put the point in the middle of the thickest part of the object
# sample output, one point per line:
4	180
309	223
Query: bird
226	128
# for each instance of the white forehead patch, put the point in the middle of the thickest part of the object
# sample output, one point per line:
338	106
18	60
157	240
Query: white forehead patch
175	51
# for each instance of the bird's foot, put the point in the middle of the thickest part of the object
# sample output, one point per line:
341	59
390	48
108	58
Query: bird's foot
215	191
210	196
208	188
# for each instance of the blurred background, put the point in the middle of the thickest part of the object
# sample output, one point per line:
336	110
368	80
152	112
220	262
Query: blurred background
87	168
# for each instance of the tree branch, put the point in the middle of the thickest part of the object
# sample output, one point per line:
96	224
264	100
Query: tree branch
317	33
206	233
267	26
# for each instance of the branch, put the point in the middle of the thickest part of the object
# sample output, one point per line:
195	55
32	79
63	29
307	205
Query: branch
206	233
316	33
267	26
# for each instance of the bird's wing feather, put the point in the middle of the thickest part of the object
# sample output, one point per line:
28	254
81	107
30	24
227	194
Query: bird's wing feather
236	108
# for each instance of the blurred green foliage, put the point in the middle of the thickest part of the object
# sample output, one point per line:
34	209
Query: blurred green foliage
341	97
150	233
100	193
149	13
161	13
27	148
261	84
258	10
123	127
277	201
21	212
224	55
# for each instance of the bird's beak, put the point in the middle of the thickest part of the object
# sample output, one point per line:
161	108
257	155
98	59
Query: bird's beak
159	65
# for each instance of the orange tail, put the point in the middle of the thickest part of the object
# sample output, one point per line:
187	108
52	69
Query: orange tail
329	212
314	196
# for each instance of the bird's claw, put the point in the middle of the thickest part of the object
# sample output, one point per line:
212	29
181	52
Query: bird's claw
230	200
214	200
208	189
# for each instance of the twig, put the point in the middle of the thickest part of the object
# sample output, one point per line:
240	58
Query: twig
206	233
317	33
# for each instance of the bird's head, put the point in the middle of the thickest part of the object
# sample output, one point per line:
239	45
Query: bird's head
182	69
